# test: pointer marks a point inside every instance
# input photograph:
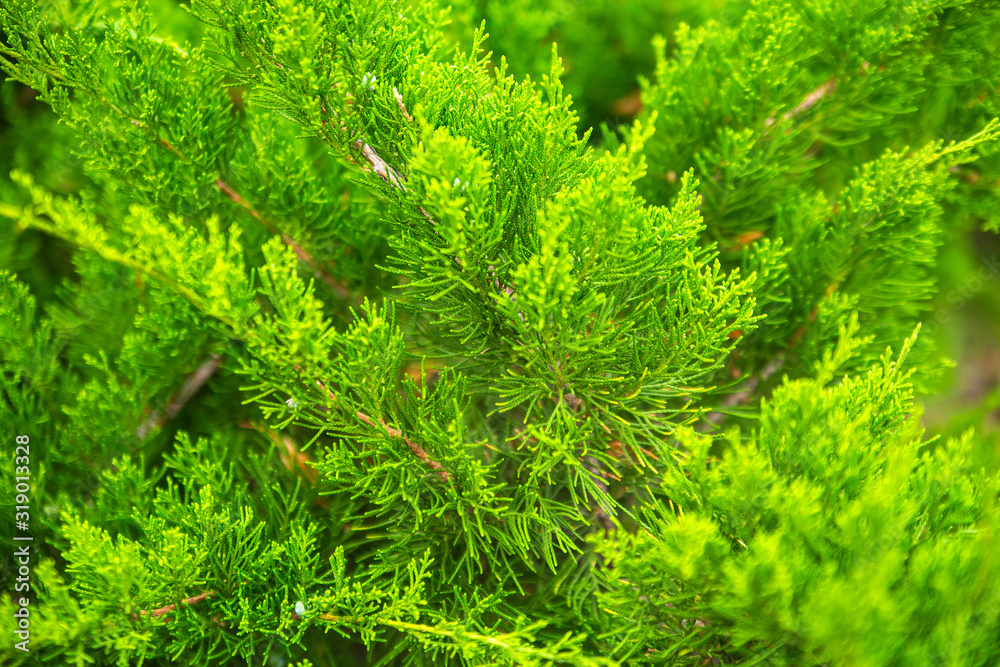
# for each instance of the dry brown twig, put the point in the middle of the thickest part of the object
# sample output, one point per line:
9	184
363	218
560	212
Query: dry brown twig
394	432
810	101
402	107
236	198
163	611
191	385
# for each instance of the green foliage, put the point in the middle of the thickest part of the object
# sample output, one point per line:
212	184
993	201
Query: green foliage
603	43
786	115
855	548
339	341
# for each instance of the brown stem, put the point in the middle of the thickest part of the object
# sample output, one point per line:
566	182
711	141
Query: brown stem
389	175
414	447
394	432
402	107
810	100
303	256
380	166
292	456
191	385
163	611
228	190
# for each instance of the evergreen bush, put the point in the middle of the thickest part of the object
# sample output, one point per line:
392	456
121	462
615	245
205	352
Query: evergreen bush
330	338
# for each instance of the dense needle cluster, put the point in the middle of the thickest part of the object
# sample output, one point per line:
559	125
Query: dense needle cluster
340	343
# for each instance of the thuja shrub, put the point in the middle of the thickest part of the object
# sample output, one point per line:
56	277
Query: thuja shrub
325	340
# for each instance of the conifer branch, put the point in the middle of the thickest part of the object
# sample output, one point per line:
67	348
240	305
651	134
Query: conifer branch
810	100
498	641
236	198
380	166
190	387
402	107
384	171
589	307
394	432
301	253
163	611
414	447
226	189
592	466
389	175
292	456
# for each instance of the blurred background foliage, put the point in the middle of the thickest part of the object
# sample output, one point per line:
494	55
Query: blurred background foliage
606	47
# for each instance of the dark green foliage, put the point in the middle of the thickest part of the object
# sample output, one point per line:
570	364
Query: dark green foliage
340	341
852	548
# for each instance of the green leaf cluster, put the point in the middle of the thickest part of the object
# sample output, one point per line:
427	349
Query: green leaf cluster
338	342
